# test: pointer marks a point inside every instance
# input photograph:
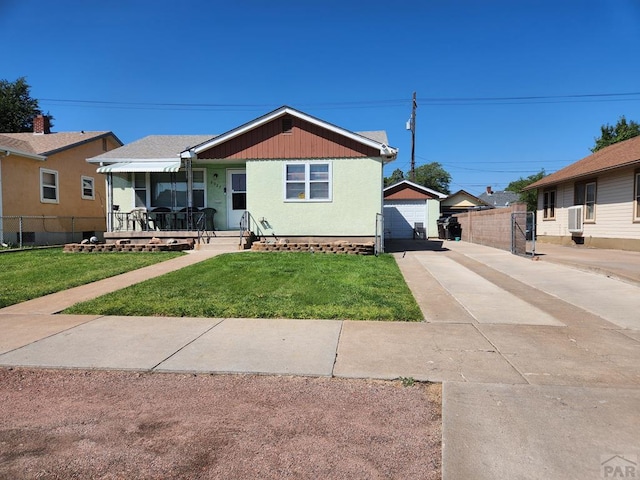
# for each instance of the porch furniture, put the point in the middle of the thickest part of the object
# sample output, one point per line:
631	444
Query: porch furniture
137	216
160	217
209	213
185	218
419	231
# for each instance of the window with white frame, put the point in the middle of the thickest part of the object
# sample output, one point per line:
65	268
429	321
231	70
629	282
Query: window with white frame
585	194
49	186
636	196
88	189
308	181
168	189
549	204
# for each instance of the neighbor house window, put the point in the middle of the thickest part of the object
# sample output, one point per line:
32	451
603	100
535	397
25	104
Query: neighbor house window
585	194
636	196
308	181
549	204
86	184
49	186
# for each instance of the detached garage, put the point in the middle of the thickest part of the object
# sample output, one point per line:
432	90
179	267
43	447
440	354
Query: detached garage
407	204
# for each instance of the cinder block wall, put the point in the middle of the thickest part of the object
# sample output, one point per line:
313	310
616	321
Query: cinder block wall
489	227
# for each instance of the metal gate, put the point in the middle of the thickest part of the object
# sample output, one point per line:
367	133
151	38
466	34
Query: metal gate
523	233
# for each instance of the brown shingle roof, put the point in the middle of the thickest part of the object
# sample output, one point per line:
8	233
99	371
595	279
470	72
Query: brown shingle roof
622	154
15	144
48	144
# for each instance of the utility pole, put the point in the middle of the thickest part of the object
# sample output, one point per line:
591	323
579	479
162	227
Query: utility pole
411	125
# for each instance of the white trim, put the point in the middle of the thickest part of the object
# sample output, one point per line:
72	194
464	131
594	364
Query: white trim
93	188
386	151
11	151
307	181
420	187
56	186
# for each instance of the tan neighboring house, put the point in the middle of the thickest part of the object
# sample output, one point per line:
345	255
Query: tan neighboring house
49	194
461	202
594	201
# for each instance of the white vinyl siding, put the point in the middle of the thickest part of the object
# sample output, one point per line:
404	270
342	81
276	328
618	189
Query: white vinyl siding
615	209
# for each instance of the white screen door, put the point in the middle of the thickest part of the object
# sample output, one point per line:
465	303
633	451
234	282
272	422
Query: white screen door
236	197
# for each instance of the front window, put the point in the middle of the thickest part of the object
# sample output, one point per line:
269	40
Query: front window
168	189
49	186
636	195
549	204
585	195
308	181
86	184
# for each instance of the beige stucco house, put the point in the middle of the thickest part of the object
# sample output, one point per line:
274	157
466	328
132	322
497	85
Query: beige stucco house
48	192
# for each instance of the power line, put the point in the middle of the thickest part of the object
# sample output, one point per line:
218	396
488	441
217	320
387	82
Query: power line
442	101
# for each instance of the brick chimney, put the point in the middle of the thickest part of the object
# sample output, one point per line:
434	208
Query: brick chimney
41	125
489	191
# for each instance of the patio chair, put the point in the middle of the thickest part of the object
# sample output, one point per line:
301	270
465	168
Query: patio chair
137	215
160	218
419	231
209	213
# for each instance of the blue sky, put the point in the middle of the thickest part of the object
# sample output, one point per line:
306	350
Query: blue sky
142	67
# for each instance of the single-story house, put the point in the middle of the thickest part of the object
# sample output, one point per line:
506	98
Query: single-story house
48	192
461	202
284	175
499	198
594	201
411	210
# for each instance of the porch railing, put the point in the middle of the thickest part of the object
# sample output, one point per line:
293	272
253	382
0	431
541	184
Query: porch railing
140	220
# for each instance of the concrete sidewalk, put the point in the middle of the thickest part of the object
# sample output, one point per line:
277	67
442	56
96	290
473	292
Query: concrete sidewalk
539	360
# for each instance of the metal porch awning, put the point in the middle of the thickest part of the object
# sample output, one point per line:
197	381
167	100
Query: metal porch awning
146	166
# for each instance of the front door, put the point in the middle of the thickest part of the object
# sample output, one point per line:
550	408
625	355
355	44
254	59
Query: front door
236	197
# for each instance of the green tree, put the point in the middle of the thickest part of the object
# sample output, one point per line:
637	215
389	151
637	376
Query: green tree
433	176
396	176
621	131
17	108
530	197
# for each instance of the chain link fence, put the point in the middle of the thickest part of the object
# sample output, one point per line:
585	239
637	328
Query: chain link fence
27	231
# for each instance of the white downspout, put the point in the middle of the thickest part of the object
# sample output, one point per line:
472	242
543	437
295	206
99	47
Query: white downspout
110	202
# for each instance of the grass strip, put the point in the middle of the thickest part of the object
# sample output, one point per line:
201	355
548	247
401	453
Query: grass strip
33	273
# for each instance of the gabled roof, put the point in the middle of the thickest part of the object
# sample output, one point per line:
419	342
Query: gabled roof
152	147
407	184
464	194
502	198
378	142
618	155
51	143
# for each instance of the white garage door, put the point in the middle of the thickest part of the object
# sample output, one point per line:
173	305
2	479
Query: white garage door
400	216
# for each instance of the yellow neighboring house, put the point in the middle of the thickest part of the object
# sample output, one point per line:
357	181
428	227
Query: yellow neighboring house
49	194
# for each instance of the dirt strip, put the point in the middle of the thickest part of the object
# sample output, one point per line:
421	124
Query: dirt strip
112	425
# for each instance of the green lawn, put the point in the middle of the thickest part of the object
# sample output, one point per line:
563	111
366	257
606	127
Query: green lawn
270	285
34	273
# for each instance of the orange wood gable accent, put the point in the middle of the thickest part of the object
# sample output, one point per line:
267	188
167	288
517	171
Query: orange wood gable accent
304	140
406	192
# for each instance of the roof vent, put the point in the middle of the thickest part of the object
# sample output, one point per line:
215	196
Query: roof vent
287	125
